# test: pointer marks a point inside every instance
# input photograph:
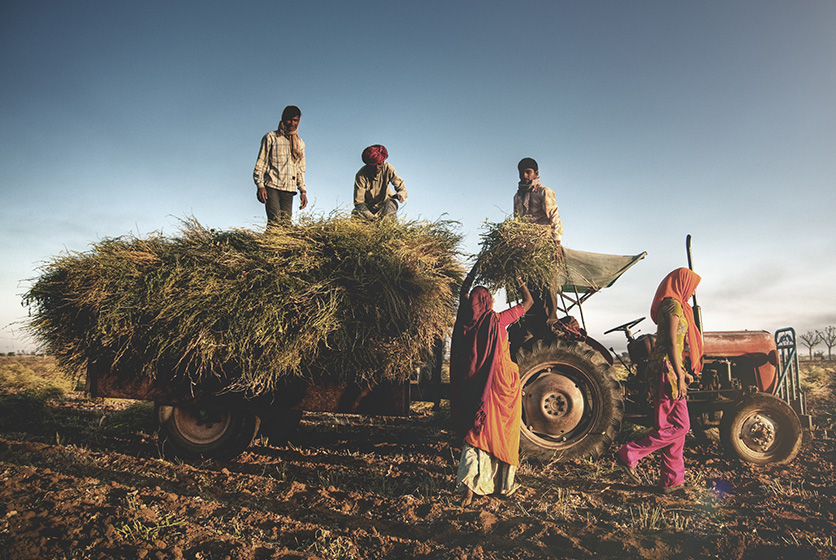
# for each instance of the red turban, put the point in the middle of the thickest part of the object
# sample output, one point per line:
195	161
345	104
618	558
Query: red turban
375	154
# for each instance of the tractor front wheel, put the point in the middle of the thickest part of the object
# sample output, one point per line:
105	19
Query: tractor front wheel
192	432
761	429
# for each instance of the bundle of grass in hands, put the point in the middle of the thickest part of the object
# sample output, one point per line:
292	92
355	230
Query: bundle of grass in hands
516	248
333	296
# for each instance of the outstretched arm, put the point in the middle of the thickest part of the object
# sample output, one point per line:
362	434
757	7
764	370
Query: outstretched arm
467	284
527	301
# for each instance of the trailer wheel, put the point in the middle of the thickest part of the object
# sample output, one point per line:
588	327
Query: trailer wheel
572	402
761	429
192	432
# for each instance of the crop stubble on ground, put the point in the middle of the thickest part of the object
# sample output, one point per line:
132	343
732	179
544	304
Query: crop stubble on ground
84	485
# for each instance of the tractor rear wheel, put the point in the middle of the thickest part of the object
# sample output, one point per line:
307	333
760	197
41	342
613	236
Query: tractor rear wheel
572	401
761	429
192	432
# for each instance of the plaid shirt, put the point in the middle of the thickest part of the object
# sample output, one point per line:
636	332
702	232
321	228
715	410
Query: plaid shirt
539	203
274	167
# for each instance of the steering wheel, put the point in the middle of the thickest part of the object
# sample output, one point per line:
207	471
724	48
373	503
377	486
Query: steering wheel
626	326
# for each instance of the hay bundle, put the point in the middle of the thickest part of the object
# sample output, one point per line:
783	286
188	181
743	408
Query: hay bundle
331	296
516	248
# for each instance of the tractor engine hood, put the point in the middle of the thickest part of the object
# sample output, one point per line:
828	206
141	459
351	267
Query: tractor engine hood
757	346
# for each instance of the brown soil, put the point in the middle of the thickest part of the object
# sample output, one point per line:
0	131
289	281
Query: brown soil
82	485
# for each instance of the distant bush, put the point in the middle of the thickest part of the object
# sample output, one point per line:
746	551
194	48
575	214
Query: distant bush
40	376
818	380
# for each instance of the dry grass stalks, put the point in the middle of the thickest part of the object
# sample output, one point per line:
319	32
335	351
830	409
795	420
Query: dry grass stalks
330	296
516	248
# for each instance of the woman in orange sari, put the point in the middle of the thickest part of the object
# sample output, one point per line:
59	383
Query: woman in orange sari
485	393
668	380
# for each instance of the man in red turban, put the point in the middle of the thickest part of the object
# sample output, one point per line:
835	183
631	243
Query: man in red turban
373	195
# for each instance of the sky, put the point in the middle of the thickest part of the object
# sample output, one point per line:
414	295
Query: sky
650	120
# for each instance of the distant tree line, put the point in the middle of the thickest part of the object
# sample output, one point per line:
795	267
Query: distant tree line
811	339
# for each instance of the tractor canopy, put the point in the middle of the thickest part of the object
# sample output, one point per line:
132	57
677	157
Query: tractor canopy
582	274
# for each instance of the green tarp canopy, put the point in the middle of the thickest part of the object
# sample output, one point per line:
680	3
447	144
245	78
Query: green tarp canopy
583	272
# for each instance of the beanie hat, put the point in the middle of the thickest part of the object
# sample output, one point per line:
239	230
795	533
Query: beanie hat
527	163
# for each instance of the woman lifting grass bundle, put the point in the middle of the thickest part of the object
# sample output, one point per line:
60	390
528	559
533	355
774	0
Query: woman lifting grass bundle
485	393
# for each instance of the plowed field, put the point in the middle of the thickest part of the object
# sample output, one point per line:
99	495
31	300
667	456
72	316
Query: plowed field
83	479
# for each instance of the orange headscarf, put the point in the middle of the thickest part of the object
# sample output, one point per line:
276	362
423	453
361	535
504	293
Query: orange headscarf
681	285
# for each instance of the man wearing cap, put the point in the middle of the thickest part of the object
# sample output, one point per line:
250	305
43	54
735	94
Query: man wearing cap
280	168
537	203
373	196
535	200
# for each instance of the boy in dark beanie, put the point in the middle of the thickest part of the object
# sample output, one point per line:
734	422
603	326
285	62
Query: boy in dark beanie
535	200
537	203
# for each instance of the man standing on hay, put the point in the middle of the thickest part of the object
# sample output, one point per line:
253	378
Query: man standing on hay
537	203
373	198
280	168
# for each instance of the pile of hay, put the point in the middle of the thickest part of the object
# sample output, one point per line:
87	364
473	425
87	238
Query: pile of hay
332	296
517	248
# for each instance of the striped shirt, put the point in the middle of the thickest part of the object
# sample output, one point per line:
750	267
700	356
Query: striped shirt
275	169
540	204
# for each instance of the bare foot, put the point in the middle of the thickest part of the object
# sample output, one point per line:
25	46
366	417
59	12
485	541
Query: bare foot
467	498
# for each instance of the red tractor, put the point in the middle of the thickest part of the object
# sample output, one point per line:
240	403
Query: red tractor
574	404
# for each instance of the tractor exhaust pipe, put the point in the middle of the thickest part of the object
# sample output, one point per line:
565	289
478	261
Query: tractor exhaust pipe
697	311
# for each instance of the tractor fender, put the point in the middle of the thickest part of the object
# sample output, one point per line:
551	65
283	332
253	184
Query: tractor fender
600	348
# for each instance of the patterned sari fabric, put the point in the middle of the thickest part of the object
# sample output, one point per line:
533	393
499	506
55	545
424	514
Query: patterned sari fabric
671	421
485	402
659	363
499	432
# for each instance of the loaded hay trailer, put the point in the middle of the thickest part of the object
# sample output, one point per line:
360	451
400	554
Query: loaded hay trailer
232	331
573	401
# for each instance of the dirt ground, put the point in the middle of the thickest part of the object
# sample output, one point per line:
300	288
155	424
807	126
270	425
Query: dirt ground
82	479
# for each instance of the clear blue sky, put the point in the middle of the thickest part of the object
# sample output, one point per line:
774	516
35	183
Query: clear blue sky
649	119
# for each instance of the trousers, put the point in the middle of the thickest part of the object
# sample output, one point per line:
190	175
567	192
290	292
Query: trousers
388	208
671	425
279	206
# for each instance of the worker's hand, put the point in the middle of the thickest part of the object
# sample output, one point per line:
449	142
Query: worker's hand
261	194
682	388
303	200
400	197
